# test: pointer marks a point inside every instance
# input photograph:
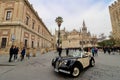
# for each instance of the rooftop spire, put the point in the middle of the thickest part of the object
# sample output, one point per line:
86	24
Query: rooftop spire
84	28
83	23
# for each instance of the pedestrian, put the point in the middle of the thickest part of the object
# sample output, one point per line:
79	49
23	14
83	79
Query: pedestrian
96	51
105	49
88	49
93	51
11	52
60	51
67	51
22	53
109	50
16	50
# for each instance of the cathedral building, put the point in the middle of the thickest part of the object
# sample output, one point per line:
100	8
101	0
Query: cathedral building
77	39
21	25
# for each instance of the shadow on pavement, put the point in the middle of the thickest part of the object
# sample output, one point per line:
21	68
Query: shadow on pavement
6	65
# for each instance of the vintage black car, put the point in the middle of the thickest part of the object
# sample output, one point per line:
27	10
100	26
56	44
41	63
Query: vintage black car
74	63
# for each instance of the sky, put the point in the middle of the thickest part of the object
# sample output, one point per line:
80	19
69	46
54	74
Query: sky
95	13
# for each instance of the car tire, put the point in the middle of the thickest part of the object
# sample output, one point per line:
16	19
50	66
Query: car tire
75	71
92	63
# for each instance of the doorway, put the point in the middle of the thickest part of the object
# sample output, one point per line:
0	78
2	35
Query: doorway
3	43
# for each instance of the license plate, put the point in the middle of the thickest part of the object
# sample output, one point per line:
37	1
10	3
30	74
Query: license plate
56	70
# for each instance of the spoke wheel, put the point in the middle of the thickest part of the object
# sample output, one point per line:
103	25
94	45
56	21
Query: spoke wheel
76	72
92	63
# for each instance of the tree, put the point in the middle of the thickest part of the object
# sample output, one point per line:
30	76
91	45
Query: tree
110	42
102	36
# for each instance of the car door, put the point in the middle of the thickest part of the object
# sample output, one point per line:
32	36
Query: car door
85	61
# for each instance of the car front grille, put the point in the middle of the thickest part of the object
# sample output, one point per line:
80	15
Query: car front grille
57	64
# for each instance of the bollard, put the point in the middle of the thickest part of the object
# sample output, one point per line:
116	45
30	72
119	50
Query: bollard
34	52
28	53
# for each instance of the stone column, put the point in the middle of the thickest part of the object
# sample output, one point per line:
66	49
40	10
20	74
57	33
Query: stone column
34	52
28	52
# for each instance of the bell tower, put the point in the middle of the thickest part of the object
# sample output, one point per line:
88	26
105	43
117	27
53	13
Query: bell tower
84	28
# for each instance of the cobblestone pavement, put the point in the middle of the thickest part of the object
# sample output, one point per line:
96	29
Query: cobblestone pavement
107	68
101	72
39	68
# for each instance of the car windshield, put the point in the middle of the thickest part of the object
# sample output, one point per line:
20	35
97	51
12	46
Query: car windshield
76	54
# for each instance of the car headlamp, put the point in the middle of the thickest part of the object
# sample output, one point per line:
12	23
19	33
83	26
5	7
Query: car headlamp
65	62
54	60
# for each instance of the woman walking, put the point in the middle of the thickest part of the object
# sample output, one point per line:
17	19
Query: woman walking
22	53
16	50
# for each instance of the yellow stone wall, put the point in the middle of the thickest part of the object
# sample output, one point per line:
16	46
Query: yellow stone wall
17	25
114	10
73	38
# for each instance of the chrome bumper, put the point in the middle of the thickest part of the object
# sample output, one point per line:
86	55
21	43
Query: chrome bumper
63	71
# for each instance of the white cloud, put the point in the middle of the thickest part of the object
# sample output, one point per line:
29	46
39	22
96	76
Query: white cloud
96	15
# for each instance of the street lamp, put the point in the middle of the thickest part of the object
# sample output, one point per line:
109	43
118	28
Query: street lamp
12	38
59	20
82	42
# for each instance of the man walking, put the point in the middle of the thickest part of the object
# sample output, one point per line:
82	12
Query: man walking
11	52
67	51
60	50
16	50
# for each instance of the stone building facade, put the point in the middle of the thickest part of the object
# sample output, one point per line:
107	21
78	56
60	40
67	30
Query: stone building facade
77	39
114	10
20	25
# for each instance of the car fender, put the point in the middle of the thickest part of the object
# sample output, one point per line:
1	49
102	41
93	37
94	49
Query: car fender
54	61
76	63
92	59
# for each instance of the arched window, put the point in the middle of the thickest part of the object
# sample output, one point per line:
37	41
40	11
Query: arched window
3	43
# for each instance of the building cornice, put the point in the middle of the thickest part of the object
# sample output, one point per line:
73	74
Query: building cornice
13	24
113	5
31	8
36	14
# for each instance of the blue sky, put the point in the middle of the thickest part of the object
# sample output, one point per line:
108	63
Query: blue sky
95	13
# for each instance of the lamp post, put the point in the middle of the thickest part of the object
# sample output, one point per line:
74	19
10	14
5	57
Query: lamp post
12	38
82	42
59	20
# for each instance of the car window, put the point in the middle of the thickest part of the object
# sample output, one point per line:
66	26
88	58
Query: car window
85	54
76	54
